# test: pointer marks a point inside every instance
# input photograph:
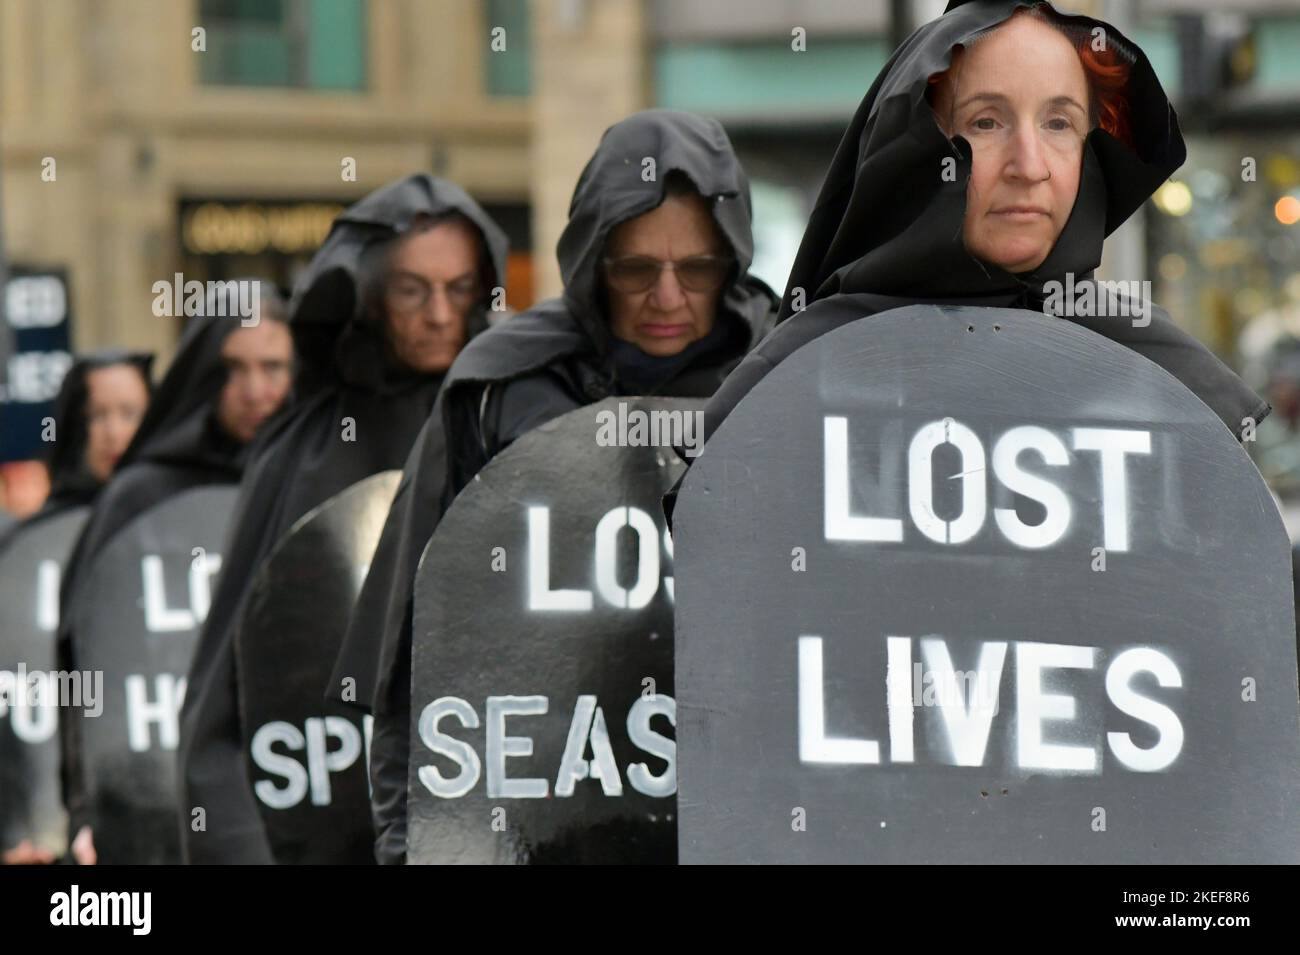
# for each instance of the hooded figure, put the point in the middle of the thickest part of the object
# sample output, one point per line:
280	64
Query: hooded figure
887	229
358	411
180	445
73	483
558	356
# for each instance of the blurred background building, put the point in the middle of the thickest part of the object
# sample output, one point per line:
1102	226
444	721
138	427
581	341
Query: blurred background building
140	138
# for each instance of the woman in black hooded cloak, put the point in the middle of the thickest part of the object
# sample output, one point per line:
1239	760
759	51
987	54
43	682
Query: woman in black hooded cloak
195	433
611	333
78	467
372	357
78	463
937	195
101	402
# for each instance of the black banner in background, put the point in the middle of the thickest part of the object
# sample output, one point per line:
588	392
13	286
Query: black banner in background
38	319
6	337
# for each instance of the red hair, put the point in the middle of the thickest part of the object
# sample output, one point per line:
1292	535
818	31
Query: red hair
1107	77
1106	71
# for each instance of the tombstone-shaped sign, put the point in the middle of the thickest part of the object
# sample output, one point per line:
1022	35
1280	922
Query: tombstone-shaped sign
31	566
542	684
1295	583
979	585
307	758
137	622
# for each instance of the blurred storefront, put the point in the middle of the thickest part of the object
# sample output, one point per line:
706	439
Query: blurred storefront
1223	240
226	238
219	137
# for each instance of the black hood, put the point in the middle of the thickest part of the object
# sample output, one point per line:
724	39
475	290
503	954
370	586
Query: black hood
335	340
344	375
612	189
177	446
180	426
566	335
615	186
886	223
567	341
887	229
70	481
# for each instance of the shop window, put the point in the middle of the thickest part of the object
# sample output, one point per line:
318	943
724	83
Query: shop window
509	62
311	44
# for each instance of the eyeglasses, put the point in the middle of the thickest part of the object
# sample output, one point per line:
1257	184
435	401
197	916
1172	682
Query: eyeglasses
638	273
405	293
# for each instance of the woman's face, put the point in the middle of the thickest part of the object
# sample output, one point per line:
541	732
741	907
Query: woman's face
676	306
259	369
116	400
1020	97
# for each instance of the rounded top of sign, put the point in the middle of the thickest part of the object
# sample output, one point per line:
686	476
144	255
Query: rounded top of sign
989	346
950	579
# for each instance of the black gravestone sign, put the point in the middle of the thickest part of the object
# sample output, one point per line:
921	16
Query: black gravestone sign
137	621
31	566
542	693
307	758
978	585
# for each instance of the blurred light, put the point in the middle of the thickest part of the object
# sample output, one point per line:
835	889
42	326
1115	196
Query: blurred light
1207	184
1173	198
1249	302
1281	170
1172	267
1287	210
1225	253
1292	286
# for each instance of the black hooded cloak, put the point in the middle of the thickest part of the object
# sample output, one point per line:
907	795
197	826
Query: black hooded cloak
343	374
886	230
554	358
178	446
71	483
